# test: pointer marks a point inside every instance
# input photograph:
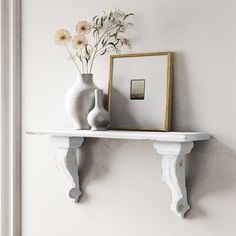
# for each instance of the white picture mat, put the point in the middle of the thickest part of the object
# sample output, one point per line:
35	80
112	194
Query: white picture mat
139	114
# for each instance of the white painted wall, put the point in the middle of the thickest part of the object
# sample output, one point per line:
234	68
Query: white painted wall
124	193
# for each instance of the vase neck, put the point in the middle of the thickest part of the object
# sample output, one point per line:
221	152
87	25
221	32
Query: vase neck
99	97
86	78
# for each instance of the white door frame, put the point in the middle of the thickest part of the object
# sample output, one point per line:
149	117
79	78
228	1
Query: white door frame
10	117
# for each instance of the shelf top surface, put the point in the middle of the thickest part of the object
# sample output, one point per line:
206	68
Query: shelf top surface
121	134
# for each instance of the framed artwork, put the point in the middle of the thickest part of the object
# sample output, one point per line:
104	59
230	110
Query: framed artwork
140	87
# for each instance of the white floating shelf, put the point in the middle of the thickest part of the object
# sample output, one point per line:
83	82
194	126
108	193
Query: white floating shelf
173	146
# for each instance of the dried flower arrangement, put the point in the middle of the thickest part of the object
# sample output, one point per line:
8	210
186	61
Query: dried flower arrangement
104	34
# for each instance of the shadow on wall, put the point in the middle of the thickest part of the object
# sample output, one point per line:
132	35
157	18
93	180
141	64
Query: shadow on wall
181	102
211	169
90	168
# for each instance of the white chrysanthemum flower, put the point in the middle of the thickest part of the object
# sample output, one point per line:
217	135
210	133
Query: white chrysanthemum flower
83	27
62	37
79	41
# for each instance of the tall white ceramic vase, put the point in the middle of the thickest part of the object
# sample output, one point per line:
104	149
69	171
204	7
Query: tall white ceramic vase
80	100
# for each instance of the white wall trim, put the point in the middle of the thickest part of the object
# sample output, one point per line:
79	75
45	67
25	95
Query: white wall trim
10	117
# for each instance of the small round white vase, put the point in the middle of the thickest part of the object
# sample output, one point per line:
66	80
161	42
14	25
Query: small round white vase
99	118
80	100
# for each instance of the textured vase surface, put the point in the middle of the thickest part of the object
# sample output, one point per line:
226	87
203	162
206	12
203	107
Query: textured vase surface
80	100
99	118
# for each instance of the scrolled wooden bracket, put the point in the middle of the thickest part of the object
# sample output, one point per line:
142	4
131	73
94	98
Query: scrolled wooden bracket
68	148
173	172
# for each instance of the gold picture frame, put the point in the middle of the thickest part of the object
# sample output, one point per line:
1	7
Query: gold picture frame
168	94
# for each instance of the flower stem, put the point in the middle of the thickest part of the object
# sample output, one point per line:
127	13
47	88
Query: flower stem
72	58
82	59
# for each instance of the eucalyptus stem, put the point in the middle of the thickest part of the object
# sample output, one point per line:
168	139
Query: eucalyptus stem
93	57
91	65
97	44
87	66
72	58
